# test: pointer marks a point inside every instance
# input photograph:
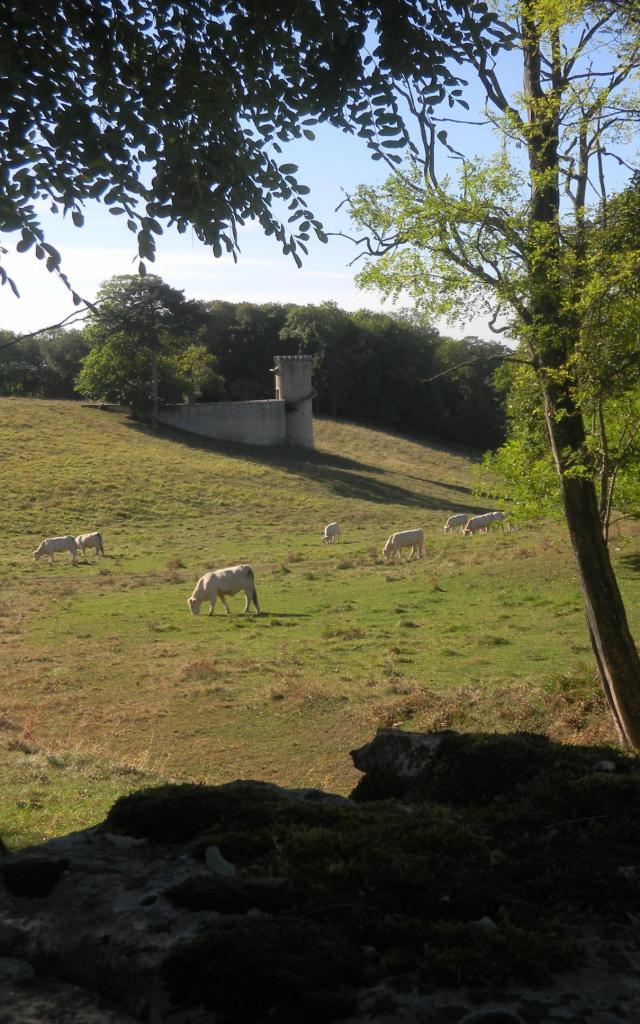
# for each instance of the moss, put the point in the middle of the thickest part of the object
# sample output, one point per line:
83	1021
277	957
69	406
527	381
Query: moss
498	822
477	953
231	896
286	969
177	813
476	769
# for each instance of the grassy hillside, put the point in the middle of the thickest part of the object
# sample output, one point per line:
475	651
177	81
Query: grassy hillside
105	676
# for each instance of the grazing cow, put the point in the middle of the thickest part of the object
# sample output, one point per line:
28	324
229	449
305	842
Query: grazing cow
332	533
49	546
222	583
453	522
413	539
502	518
90	540
479	524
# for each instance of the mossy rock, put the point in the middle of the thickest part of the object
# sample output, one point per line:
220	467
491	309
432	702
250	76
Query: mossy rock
178	813
482	952
512	828
475	769
232	896
282	969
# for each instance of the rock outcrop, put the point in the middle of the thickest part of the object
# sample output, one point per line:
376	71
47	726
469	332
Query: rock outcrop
248	903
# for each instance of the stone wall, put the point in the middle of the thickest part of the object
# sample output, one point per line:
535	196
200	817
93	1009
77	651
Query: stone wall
262	423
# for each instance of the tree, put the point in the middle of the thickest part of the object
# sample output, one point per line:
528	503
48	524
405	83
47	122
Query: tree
20	366
243	337
512	236
467	394
61	353
328	334
608	390
196	371
139	327
41	367
176	113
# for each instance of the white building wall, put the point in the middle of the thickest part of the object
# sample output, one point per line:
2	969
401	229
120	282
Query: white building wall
245	422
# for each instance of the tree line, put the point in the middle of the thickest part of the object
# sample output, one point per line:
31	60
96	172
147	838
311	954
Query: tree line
369	367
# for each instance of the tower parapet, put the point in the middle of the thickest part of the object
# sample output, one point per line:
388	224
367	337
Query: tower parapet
293	386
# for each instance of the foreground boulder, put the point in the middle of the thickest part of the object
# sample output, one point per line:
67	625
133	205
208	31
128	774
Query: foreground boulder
498	883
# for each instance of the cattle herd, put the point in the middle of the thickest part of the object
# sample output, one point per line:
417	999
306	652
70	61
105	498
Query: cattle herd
48	547
224	583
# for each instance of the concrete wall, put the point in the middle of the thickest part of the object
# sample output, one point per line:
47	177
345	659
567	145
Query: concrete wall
245	422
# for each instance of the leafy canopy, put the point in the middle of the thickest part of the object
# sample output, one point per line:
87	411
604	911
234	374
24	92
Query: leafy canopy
140	321
176	114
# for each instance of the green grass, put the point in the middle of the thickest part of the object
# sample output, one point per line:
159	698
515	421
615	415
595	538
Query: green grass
103	666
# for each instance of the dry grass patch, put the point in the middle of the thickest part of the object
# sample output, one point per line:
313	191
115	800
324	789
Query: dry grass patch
344	633
203	668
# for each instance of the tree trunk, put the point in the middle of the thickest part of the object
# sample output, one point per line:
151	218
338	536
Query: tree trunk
154	387
554	334
615	651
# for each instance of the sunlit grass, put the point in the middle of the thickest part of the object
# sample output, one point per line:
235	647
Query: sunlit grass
103	663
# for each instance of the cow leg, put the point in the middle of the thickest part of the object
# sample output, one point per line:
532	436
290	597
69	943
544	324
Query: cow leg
212	605
224	601
247	601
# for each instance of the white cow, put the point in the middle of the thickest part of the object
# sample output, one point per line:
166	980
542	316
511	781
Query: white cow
332	533
222	583
49	546
90	540
479	524
502	518
413	539
453	522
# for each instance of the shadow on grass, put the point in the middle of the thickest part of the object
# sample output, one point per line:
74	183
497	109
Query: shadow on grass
631	562
284	615
346	477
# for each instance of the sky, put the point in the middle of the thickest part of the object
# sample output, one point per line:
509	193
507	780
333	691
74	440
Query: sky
331	165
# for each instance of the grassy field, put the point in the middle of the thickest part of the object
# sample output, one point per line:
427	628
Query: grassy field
107	683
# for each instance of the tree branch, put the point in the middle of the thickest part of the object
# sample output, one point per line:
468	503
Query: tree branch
72	318
476	362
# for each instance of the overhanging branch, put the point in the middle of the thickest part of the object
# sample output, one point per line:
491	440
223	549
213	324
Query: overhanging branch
475	362
77	316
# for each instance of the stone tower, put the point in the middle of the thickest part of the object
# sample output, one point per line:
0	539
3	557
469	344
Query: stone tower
293	385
